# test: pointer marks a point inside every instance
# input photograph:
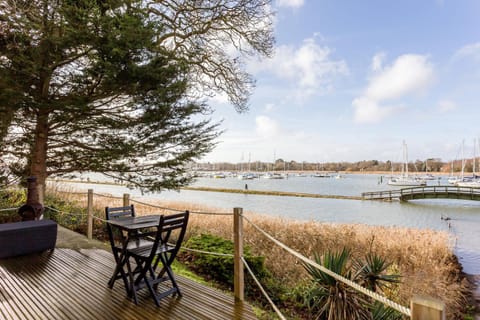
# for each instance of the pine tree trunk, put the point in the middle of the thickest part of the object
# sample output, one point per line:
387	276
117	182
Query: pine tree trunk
39	154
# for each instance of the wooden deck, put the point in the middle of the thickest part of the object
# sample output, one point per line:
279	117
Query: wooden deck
72	284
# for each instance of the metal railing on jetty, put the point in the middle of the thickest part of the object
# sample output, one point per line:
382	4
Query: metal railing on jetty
421	307
426	192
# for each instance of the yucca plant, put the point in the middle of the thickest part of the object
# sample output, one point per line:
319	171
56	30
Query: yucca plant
382	312
330	298
372	272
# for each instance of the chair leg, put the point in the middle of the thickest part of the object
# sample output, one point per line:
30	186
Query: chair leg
119	269
152	291
167	269
132	289
174	282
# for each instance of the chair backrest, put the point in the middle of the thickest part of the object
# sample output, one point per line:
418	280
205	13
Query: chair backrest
170	233
116	213
119	212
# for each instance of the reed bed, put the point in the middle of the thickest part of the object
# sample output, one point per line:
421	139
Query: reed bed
424	258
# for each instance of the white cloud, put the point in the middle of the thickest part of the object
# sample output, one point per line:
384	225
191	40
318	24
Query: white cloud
470	50
409	74
377	61
266	127
446	106
269	107
369	111
290	3
309	67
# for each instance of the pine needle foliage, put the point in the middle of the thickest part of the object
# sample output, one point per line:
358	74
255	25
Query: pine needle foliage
86	87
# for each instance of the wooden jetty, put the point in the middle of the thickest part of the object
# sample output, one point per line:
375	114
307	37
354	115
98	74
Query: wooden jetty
425	192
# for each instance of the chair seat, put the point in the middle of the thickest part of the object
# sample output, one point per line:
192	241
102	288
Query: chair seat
137	243
143	251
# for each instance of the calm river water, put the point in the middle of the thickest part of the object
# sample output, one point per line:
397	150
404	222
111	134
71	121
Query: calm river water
464	223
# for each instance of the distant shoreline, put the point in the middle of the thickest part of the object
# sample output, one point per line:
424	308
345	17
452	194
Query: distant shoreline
384	173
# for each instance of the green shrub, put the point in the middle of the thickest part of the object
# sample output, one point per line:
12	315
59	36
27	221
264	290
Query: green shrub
66	213
215	267
219	269
11	198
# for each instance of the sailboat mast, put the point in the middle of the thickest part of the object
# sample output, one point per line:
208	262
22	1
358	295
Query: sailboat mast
474	154
463	157
478	141
405	157
249	162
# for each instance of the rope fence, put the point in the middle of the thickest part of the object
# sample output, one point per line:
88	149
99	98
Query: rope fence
105	196
66	213
12	189
177	210
69	192
100	219
9	209
356	286
240	260
265	294
3	212
207	252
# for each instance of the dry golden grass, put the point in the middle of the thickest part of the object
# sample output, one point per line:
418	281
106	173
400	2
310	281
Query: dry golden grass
423	258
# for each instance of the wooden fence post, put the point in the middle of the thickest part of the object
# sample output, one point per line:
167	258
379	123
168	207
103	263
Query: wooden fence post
90	214
238	279
427	308
126	199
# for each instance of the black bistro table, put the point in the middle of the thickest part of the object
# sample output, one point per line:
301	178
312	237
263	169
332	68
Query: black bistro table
131	225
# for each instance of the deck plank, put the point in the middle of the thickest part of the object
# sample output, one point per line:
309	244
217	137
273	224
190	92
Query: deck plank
72	284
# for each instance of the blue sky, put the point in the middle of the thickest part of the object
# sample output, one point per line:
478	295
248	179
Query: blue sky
350	80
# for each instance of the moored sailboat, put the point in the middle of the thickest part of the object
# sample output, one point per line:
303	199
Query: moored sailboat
405	179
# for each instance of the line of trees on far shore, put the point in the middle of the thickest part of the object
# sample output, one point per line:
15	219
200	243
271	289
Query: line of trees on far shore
433	165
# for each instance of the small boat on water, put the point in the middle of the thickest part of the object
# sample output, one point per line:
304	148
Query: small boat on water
428	176
321	175
219	175
405	179
270	175
246	176
471	184
454	180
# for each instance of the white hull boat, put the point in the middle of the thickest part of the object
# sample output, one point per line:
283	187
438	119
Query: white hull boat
406	181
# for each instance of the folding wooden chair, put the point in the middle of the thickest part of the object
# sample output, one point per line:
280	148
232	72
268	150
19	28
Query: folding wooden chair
117	241
168	240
